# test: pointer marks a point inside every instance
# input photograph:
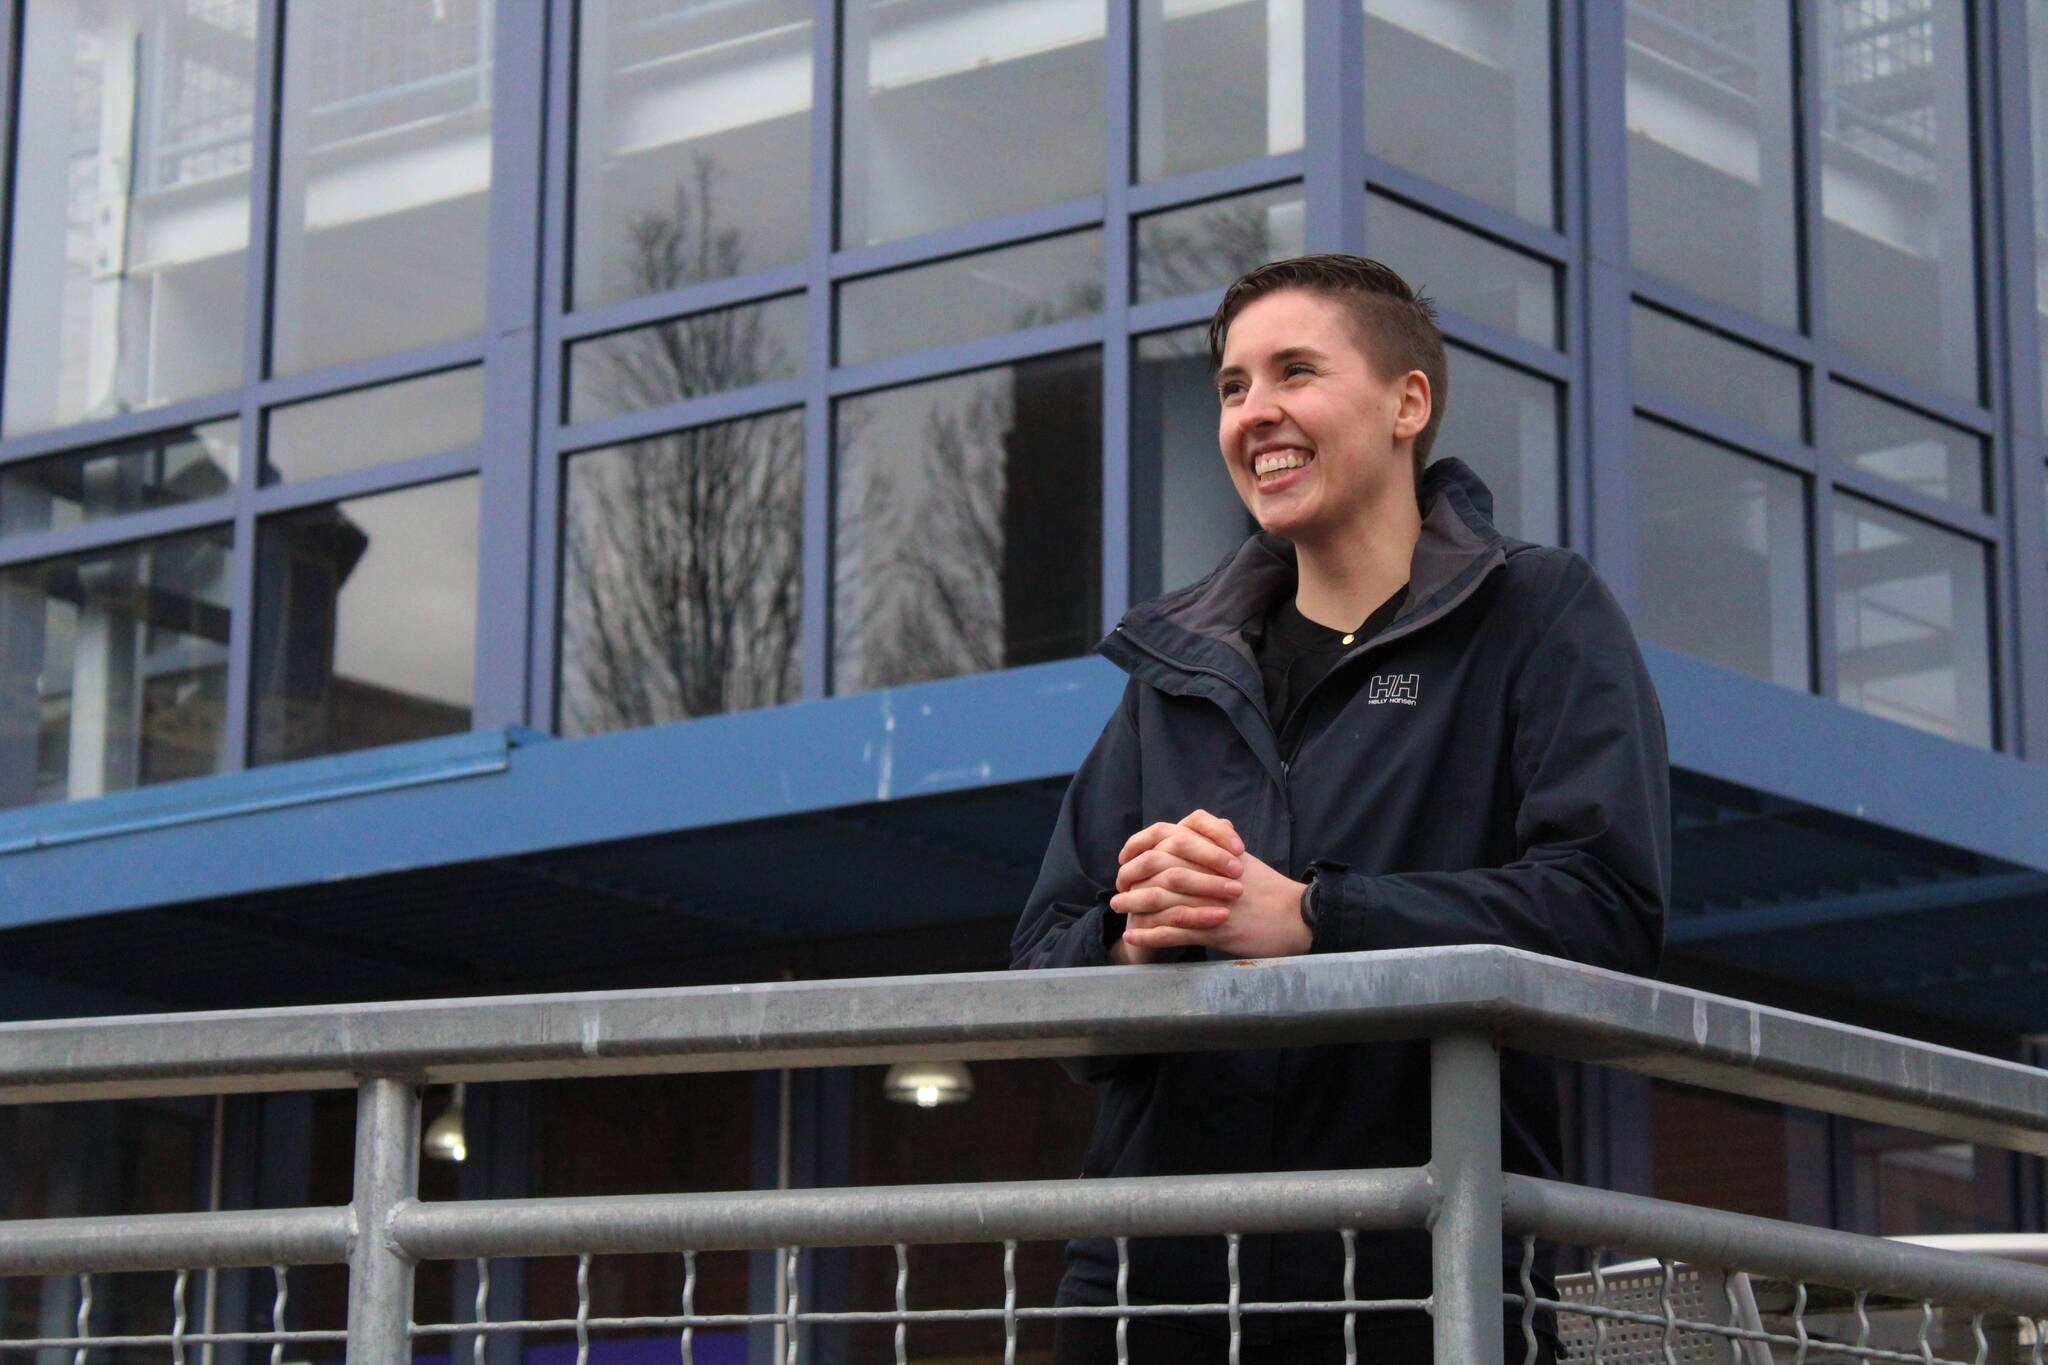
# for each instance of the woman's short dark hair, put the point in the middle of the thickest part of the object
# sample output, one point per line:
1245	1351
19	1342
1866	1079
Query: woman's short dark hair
1396	327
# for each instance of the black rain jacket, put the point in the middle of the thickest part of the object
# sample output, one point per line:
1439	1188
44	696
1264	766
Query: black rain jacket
1490	768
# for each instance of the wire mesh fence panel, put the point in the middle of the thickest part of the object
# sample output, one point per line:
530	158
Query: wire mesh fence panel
1626	1309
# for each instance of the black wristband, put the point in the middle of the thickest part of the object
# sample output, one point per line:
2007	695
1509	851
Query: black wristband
1308	905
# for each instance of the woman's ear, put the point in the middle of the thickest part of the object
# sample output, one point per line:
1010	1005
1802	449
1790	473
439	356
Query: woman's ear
1413	406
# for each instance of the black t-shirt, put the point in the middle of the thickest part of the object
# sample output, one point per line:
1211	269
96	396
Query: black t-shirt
1295	652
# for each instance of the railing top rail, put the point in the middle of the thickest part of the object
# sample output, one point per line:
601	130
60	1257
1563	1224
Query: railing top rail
1524	999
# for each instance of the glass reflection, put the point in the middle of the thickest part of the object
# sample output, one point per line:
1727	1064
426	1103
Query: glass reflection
1912	622
692	142
1459	91
365	622
67	490
1210	245
1897	189
113	668
1217	83
1470	274
1721	544
384	177
1712	170
130	217
1191	512
1503	422
1910	1184
958	110
375	426
2037	80
973	296
1671	356
968	528
682	575
1917	451
705	353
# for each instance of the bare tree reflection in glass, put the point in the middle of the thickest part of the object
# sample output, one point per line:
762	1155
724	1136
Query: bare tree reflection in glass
682	591
968	534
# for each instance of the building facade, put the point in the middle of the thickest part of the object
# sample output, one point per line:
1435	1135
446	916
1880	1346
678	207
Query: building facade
507	495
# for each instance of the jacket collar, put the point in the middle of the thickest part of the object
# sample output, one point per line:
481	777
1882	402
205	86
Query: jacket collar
1205	626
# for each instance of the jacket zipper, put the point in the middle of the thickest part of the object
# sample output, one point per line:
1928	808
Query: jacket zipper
1385	637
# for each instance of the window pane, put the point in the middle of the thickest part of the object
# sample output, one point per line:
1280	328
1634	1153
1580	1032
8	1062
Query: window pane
1460	93
1470	274
968	533
1217	83
1210	245
957	110
1896	188
693	137
1192	507
1721	541
131	207
113	668
1931	456
690	357
375	426
1912	622
65	490
682	575
365	622
384	177
1503	422
2037	79
1704	368
1712	174
973	296
1911	1184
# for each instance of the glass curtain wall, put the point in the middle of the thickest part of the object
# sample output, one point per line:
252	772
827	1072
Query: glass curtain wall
826	364
1802	195
155	215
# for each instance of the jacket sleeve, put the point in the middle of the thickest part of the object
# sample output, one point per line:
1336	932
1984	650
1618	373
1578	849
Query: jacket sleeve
1592	821
1067	921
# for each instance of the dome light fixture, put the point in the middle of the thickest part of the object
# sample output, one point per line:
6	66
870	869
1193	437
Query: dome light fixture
928	1084
446	1139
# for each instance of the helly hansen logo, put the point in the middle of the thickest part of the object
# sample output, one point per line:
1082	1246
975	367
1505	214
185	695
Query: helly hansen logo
1400	688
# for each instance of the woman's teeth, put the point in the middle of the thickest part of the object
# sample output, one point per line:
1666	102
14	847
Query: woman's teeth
1279	460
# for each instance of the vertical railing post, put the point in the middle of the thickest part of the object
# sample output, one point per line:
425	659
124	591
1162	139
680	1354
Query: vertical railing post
387	1171
1465	1232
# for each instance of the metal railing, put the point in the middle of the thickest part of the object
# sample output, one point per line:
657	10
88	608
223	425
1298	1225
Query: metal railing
1467	1000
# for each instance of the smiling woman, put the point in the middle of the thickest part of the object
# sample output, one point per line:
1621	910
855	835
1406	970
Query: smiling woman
1315	432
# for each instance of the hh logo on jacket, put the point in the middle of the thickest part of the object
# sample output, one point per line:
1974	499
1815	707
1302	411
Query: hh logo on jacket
1400	688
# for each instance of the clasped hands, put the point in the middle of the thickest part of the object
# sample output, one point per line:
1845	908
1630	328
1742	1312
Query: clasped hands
1193	882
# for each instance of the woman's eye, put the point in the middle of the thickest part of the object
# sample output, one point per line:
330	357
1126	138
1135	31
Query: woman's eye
1299	368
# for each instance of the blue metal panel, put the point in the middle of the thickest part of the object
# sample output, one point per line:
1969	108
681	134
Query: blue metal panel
512	308
288	825
999	728
256	791
1729	726
1603	479
1120	66
1214	182
121	427
1333	96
